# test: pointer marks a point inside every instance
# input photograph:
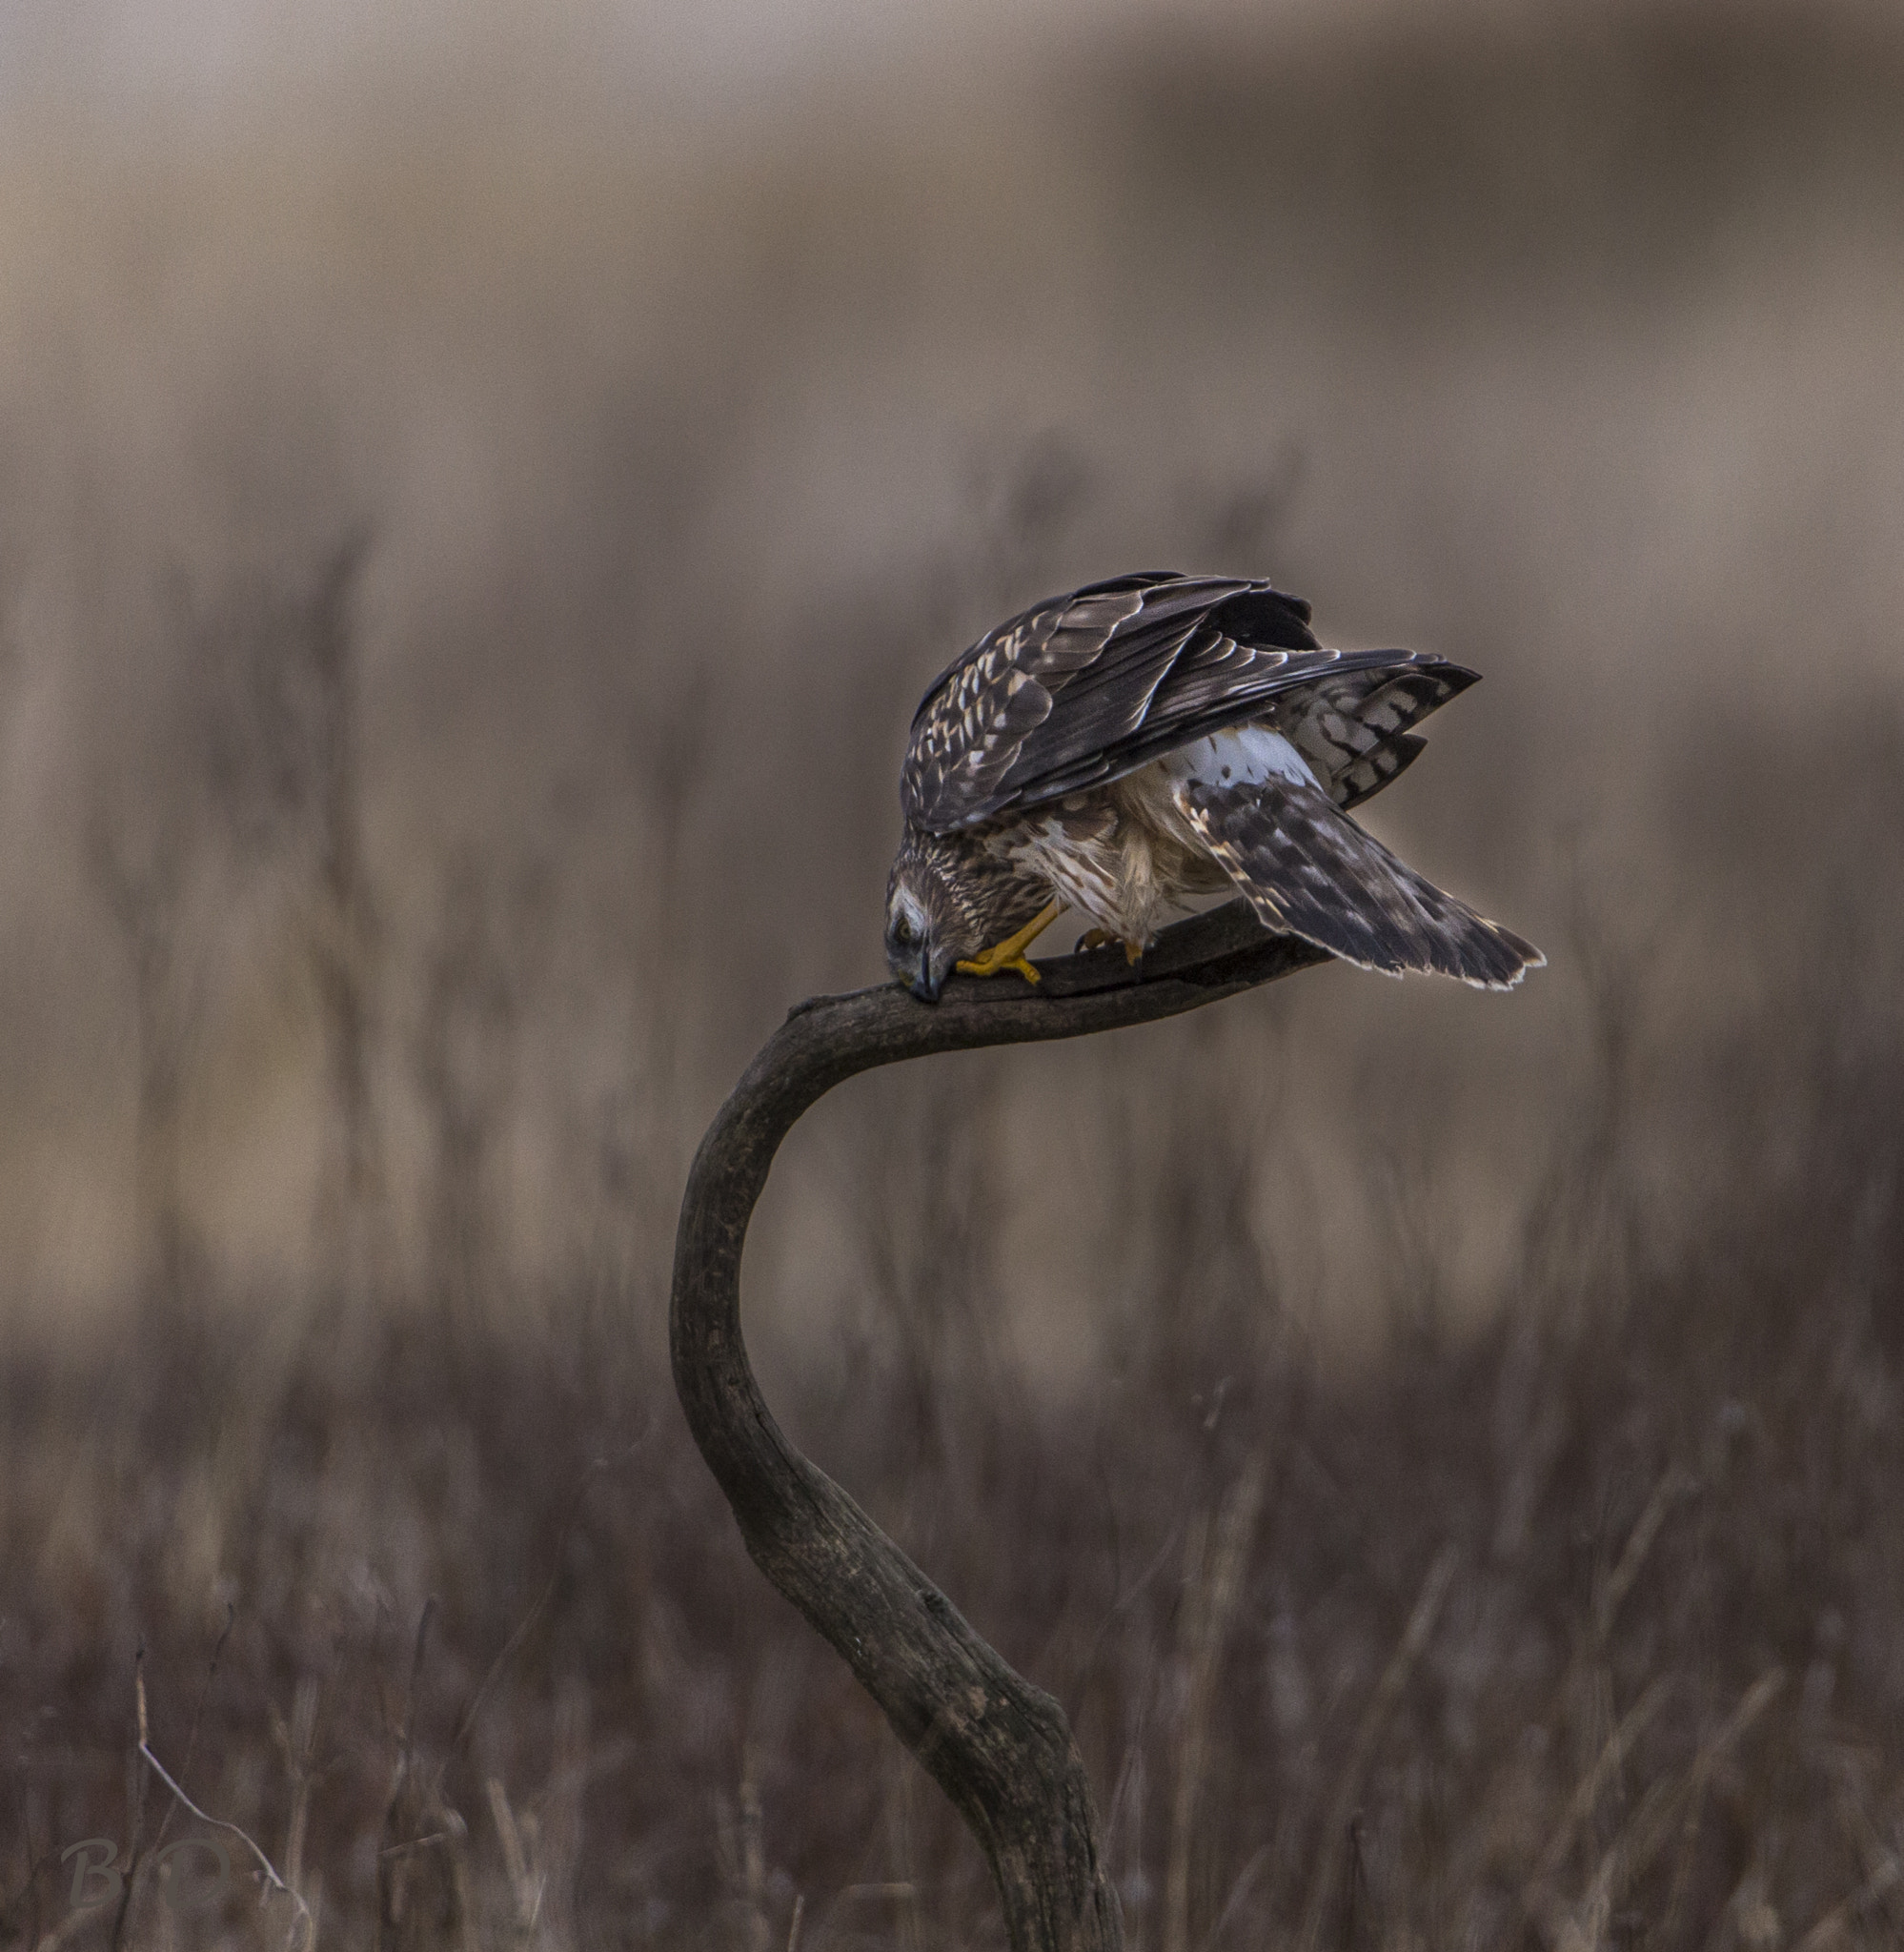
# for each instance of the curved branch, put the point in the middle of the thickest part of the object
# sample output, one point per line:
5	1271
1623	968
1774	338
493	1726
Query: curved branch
996	1745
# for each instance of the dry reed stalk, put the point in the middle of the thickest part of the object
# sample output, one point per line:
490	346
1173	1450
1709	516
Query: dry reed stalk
296	1744
1243	1884
1587	1791
1880	1865
1216	1584
1753	1703
136	1796
559	1817
456	1841
1836	1926
67	1927
418	1823
313	1897
135	1800
1637	1843
267	1869
525	1889
1327	1865
1666	1805
753	1866
197	1714
1673	1485
1587	1684
466	1721
1123	1824
903	1889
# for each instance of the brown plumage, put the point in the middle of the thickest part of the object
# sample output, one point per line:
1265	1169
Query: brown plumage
1155	737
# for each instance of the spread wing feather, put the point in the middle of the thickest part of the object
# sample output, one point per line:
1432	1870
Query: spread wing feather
1085	689
1309	870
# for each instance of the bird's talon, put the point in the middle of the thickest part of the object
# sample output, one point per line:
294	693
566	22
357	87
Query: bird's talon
1010	954
1094	937
991	964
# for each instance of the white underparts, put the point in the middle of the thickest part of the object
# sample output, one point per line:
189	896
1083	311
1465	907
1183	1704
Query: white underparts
1247	755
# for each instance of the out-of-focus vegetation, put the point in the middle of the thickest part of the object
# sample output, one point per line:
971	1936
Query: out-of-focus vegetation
464	579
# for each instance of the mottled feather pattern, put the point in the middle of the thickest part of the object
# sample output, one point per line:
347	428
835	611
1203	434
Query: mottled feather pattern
1083	690
1309	870
990	893
1154	737
1100	857
966	735
974	722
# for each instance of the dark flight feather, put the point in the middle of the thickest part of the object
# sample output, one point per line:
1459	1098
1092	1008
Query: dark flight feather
1085	689
1309	870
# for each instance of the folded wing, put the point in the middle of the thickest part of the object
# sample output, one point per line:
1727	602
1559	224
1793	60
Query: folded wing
1086	688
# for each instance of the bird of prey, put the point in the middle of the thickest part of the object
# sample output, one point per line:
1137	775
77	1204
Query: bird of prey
1154	737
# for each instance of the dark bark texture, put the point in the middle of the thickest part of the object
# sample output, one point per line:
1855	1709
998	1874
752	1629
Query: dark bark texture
996	1745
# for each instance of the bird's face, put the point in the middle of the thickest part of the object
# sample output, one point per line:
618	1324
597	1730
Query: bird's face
925	926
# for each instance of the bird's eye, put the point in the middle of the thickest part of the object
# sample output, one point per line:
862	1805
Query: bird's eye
902	930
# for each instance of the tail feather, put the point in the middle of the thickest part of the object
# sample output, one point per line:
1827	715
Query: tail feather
1309	870
1353	727
1369	772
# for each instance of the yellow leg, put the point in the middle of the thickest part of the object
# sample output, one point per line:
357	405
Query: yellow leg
1010	954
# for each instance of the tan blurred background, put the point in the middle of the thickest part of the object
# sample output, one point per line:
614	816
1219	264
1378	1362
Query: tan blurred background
694	382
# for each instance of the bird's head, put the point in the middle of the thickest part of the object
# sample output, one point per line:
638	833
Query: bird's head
927	926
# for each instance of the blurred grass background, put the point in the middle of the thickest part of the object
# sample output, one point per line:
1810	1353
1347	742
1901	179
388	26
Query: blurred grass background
479	498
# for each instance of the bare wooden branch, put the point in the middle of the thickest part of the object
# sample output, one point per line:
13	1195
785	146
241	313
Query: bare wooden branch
999	1746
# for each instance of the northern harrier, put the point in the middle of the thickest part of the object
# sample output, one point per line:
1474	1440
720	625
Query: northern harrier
1152	738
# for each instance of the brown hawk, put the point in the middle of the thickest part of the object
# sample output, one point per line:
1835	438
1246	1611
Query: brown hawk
1158	737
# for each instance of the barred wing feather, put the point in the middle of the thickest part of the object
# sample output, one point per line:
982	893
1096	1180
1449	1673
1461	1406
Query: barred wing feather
1308	869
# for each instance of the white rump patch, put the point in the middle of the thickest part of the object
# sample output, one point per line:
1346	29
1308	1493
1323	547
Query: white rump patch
1245	756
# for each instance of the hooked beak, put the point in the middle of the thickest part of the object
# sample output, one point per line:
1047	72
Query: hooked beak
922	983
920	970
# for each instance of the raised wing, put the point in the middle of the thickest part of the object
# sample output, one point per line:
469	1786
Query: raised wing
1308	869
1085	689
